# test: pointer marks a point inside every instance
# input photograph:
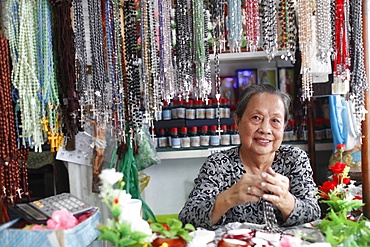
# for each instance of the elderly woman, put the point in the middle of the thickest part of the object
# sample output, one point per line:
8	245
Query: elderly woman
233	185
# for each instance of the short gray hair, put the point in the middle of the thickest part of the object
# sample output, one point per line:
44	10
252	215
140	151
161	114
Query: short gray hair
247	94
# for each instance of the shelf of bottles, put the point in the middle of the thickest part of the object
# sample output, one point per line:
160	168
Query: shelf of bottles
198	129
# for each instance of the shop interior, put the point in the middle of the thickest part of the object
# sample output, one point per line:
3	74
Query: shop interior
203	77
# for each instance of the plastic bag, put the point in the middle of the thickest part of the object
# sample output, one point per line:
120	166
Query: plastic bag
147	154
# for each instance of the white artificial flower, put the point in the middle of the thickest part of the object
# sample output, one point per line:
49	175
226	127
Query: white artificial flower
110	176
122	196
140	225
367	223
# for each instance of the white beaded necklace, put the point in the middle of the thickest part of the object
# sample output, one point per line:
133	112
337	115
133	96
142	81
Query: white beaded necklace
24	74
305	39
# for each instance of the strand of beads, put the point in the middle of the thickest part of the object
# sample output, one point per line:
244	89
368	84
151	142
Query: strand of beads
235	28
166	55
10	166
359	83
134	117
24	75
155	86
305	39
49	97
112	54
286	12
145	58
252	30
99	78
66	76
118	90
183	49
323	29
269	28
82	84
200	59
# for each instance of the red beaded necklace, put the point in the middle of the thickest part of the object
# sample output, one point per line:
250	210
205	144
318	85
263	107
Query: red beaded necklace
12	160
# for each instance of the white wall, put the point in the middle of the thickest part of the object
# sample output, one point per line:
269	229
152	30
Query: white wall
170	184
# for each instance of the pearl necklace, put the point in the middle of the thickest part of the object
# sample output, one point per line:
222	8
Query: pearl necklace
305	39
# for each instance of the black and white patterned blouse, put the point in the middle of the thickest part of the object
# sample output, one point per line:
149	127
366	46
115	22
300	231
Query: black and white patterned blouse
222	170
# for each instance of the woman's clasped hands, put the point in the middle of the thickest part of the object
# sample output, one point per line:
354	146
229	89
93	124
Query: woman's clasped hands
268	185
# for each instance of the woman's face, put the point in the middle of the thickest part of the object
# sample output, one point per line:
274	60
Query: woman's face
261	127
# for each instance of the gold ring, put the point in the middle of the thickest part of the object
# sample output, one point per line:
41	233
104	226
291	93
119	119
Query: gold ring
249	190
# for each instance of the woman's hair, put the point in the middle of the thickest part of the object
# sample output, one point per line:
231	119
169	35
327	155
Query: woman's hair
247	94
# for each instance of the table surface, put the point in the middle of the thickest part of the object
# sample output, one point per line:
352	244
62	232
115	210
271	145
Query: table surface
308	232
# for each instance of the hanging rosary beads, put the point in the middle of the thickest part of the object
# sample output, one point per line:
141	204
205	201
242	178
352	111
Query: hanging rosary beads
269	28
305	39
82	85
252	23
13	168
66	76
286	14
48	92
358	81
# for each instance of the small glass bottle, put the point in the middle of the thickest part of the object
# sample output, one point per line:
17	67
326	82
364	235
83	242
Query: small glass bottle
184	138
190	111
200	112
166	111
194	137
162	139
204	137
225	136
222	108
181	110
175	140
210	111
234	135
174	106
214	136
227	108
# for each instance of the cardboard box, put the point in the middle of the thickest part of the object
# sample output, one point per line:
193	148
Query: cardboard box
81	235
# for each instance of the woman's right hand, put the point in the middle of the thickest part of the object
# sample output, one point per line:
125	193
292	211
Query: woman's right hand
247	189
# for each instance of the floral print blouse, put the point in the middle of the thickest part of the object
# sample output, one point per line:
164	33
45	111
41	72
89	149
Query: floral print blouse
222	170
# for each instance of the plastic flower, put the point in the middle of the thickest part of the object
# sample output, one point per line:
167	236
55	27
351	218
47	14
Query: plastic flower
342	197
110	176
61	219
290	241
127	228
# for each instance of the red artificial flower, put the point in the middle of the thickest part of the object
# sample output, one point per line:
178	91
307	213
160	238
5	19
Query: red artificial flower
338	168
357	198
116	201
346	180
166	226
337	178
327	186
324	196
341	147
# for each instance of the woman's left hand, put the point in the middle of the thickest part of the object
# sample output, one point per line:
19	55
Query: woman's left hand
276	187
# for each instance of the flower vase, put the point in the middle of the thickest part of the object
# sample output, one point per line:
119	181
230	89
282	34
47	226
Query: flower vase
171	242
